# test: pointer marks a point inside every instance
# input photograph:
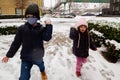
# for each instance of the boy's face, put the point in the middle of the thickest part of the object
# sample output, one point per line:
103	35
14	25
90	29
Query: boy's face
30	16
31	19
82	28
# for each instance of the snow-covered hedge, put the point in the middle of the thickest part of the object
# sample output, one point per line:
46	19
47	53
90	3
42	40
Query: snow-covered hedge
108	32
101	34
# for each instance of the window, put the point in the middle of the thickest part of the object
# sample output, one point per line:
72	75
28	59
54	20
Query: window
115	1
117	8
113	8
18	11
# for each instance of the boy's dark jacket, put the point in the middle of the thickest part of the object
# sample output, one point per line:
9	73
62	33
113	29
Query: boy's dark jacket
31	38
81	43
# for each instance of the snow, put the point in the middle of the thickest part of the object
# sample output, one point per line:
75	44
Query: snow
59	61
11	22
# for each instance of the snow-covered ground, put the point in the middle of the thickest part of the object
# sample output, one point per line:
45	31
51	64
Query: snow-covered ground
59	60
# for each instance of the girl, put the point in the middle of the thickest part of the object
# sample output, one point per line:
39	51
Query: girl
81	43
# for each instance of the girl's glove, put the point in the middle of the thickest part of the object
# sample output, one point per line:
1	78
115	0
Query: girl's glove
95	49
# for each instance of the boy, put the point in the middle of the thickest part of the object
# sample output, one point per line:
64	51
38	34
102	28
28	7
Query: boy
31	36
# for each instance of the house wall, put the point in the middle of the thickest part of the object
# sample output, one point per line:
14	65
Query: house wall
8	7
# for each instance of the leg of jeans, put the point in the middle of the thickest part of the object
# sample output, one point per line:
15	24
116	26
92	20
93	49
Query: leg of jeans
40	64
25	70
78	64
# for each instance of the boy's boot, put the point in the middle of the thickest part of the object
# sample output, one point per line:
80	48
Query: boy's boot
43	76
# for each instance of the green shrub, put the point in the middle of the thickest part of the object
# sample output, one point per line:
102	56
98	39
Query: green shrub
107	31
8	30
111	54
98	40
10	16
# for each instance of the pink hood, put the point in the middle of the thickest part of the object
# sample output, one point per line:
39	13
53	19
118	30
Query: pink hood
82	21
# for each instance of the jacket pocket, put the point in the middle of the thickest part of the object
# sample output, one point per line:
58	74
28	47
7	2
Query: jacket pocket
37	54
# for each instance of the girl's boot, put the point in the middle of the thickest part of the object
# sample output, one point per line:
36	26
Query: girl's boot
78	74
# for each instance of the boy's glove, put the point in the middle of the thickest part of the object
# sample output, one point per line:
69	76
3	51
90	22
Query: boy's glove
5	59
48	21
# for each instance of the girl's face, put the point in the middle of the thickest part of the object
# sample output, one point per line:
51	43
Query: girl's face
82	28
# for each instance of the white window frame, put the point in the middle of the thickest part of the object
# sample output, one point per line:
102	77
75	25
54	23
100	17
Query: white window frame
18	11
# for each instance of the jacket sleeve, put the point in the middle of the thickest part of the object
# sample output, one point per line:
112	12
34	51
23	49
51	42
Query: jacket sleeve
15	45
92	44
47	34
73	33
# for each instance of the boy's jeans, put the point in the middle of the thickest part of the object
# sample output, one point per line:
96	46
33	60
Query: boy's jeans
26	68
